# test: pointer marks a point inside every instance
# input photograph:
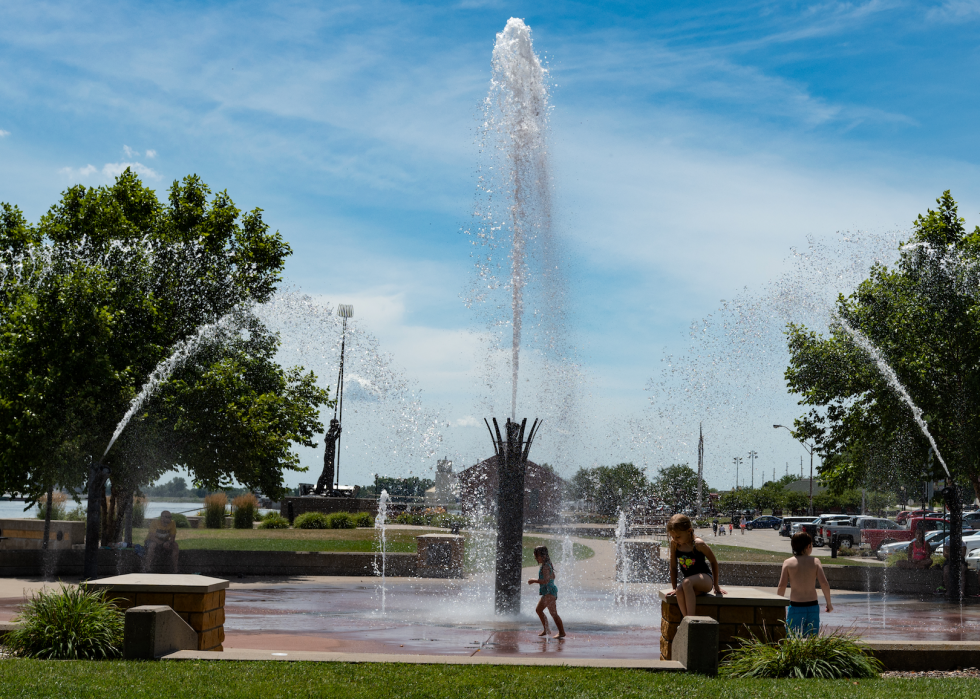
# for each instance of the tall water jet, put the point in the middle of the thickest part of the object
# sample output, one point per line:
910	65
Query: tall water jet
861	340
516	114
381	524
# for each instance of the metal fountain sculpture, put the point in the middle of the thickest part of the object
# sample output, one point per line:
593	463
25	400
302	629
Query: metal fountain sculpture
330	478
512	450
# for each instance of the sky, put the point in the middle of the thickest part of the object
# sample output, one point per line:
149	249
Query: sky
694	146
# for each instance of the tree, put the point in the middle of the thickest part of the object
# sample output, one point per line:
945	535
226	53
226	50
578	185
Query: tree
678	484
922	315
94	297
610	488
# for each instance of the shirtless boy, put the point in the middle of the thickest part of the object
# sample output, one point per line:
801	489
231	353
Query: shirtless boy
802	572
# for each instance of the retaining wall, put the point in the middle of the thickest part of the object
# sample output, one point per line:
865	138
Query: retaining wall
55	564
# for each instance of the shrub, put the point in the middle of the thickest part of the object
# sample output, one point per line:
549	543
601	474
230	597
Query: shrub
246	506
214	510
69	624
363	519
180	520
833	656
76	515
58	505
341	520
428	518
139	511
311	520
846	551
274	520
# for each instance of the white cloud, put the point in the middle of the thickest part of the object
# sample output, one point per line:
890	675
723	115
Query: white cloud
468	421
151	154
129	151
4	133
108	172
954	10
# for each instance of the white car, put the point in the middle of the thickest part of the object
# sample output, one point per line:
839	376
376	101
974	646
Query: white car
972	544
973	559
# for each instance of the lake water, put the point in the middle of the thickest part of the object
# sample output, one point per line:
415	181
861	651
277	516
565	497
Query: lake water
15	509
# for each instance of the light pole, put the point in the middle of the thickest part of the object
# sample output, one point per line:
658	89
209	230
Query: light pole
809	448
737	460
752	455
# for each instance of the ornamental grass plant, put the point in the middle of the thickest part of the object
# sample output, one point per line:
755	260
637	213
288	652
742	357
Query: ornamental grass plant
139	510
246	506
214	510
834	656
71	623
59	506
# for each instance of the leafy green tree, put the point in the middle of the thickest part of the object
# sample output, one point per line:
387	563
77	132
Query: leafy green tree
610	488
678	485
923	316
95	296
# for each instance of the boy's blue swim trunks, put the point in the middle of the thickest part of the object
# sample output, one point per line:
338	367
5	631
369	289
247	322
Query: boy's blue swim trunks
804	617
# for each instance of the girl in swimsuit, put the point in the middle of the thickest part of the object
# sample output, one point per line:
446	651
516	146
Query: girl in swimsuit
692	555
548	591
919	554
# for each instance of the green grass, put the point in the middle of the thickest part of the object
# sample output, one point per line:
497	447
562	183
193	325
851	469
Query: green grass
579	551
747	555
285	680
344	540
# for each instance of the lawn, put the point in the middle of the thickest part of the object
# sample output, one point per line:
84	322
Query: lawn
284	680
747	555
356	540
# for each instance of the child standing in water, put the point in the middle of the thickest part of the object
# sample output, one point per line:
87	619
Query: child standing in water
693	557
548	591
803	572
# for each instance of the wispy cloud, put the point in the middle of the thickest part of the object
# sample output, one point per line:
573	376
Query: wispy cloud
953	10
4	133
108	171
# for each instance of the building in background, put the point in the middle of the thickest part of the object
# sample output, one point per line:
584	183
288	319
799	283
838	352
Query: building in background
542	491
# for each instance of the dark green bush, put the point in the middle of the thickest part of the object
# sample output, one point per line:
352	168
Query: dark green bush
833	656
311	520
363	519
427	519
139	511
274	520
181	521
69	624
341	520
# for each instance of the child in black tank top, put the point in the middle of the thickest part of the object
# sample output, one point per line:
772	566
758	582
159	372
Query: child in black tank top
697	564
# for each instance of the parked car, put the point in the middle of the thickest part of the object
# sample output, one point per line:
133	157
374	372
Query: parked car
972	518
859	530
933	538
764	522
973	559
813	527
938	544
786	528
903	516
971	543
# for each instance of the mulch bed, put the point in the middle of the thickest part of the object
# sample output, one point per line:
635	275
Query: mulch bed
969	672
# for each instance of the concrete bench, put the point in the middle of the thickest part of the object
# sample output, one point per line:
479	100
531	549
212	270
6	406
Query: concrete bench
198	600
742	613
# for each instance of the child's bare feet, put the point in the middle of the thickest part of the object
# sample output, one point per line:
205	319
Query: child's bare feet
559	635
544	633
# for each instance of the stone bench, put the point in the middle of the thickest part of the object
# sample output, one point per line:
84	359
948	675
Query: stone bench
198	600
27	534
440	555
742	613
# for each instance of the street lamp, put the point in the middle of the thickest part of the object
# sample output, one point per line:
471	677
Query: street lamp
809	449
752	455
737	460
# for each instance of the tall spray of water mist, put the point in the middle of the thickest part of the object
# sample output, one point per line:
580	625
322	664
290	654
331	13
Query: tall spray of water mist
516	126
862	341
183	351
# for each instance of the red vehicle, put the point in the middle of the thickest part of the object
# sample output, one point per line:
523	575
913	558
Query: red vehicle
930	520
903	516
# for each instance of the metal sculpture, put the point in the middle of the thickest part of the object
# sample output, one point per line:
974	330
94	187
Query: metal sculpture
512	452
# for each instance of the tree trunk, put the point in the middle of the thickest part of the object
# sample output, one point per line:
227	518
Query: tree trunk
97	475
47	520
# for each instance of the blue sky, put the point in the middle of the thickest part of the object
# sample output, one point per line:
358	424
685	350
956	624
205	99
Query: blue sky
694	145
